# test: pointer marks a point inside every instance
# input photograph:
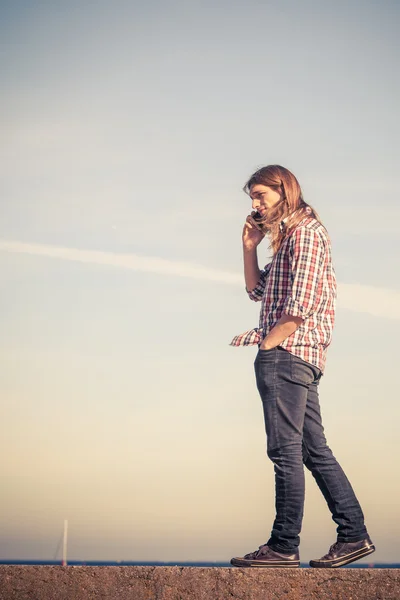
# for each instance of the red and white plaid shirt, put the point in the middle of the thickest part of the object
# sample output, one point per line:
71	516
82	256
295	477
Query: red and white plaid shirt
300	281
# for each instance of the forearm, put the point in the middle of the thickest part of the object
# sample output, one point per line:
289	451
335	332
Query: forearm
251	268
286	325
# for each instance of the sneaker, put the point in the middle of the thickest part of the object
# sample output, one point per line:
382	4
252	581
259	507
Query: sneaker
266	557
343	553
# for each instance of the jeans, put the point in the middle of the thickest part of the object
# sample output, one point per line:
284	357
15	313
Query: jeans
288	387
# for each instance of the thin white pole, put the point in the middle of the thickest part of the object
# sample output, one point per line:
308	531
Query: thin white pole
64	559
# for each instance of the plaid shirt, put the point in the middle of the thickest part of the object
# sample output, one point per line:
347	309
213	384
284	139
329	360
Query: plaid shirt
300	281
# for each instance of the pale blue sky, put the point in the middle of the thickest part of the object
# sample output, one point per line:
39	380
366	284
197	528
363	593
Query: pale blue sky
128	131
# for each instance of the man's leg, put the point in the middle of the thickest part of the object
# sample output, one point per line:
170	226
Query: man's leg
332	481
283	386
284	389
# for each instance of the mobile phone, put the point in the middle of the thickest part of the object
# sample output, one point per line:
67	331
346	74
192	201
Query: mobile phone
260	222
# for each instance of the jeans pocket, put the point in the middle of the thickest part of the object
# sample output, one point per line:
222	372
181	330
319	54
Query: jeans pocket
265	357
265	367
302	372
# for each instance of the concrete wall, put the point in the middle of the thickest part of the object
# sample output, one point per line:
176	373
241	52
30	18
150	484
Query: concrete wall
192	583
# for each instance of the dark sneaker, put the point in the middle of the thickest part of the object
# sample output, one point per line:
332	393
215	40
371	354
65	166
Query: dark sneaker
266	557
343	553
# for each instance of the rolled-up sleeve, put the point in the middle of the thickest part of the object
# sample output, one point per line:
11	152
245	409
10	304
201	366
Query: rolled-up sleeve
257	293
306	258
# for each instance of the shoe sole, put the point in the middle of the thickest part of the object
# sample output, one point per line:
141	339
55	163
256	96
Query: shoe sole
343	560
236	562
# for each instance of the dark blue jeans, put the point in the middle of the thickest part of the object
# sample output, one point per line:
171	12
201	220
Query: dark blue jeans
288	387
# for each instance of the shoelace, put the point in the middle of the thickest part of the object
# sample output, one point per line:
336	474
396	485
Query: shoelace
335	546
262	550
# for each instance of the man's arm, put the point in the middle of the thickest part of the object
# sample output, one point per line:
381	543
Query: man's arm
251	237
286	325
251	269
306	263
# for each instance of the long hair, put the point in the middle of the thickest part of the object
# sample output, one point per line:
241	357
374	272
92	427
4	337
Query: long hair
290	207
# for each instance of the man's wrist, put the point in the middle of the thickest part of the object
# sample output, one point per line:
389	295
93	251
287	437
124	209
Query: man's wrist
265	345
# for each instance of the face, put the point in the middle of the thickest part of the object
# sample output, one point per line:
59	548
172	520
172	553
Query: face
263	197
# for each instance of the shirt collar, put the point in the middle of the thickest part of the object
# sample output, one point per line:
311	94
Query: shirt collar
282	223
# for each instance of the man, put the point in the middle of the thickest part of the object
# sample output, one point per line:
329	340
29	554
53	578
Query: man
297	291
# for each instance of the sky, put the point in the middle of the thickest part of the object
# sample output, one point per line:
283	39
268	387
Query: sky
127	133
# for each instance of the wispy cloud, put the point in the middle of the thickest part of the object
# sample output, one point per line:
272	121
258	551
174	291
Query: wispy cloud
134	262
377	301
